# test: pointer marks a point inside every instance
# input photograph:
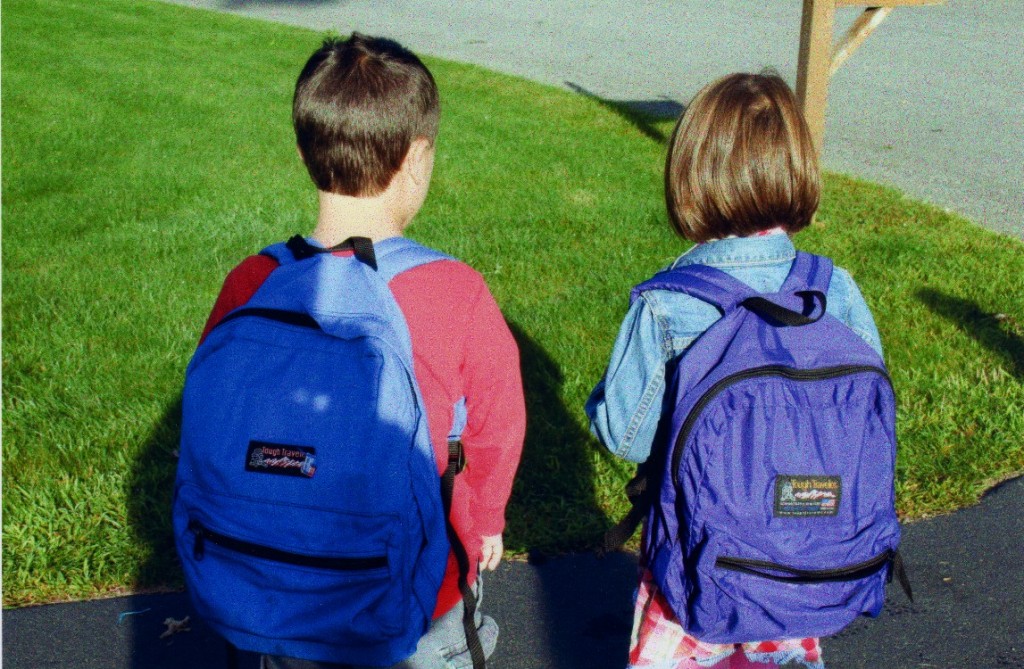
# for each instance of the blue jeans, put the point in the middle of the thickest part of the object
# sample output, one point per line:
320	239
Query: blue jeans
442	647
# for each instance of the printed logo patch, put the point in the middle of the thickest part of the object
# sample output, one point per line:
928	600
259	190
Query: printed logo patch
807	495
284	459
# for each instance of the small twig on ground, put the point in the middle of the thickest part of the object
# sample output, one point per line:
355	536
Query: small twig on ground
175	626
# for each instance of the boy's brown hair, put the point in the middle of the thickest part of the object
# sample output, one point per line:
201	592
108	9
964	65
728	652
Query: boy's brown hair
741	160
359	104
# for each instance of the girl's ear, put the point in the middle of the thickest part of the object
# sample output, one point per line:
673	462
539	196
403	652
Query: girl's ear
298	150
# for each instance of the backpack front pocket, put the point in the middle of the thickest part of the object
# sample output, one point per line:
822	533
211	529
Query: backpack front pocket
786	574
337	579
756	599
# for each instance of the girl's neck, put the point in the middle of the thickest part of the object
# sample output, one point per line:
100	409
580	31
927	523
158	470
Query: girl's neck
762	233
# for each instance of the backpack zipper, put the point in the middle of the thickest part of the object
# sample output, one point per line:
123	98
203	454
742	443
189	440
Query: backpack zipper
202	535
768	370
280	315
792	575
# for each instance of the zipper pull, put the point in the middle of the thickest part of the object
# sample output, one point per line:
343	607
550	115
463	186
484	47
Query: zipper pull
199	547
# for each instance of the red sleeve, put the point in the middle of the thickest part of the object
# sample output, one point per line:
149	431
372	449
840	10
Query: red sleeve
462	347
496	412
240	285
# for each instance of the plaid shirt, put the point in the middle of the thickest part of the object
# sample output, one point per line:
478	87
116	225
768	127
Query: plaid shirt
659	641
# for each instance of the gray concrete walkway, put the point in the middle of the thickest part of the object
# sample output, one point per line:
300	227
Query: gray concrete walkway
575	612
933	103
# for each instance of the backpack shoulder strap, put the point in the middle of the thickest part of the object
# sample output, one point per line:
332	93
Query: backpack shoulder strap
700	281
809	272
396	255
278	252
456	463
399	254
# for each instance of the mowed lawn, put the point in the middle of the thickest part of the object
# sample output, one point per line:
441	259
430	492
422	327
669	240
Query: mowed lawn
148	148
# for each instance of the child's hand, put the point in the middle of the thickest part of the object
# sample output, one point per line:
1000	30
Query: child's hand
490	553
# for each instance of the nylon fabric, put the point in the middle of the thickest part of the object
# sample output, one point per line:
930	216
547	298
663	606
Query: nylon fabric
780	448
342	466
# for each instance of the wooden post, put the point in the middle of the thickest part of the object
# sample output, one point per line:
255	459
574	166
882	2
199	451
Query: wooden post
814	64
819	61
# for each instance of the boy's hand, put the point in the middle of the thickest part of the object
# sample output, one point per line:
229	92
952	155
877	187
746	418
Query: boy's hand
490	553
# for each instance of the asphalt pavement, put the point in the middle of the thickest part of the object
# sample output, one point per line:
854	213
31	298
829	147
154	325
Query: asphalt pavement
574	612
932	103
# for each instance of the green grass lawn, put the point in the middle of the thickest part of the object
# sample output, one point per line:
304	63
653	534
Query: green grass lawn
148	148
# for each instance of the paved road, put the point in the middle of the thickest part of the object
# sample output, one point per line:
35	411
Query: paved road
933	103
574	612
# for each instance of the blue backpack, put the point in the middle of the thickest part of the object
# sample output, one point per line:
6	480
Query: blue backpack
770	502
308	512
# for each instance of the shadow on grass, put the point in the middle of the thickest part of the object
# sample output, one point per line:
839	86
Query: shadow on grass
149	501
554	502
643	114
151	487
997	332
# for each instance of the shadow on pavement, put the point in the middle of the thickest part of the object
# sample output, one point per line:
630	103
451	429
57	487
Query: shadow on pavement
572	612
89	635
641	113
996	332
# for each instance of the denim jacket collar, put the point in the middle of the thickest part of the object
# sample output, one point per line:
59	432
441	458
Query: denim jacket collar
740	251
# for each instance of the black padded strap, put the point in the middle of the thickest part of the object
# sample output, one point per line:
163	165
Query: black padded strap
638	490
770	310
456	463
280	315
899	568
361	246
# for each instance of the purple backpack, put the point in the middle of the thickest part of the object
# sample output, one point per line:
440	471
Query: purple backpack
771	511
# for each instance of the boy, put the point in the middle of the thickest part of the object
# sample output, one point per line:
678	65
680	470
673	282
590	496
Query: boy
366	114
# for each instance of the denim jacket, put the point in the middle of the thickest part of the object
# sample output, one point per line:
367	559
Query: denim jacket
625	406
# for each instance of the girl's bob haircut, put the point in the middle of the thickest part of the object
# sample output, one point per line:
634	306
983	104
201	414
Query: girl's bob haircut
741	161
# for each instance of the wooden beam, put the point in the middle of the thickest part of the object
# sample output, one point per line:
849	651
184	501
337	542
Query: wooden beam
818	61
855	36
814	64
886	3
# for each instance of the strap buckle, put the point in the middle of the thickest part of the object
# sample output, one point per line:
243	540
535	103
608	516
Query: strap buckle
456	455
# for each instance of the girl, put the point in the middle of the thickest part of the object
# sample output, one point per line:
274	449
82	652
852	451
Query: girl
740	178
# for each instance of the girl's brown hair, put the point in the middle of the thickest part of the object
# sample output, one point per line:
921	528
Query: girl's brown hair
741	160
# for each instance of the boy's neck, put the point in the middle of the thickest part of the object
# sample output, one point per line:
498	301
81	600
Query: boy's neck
343	216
